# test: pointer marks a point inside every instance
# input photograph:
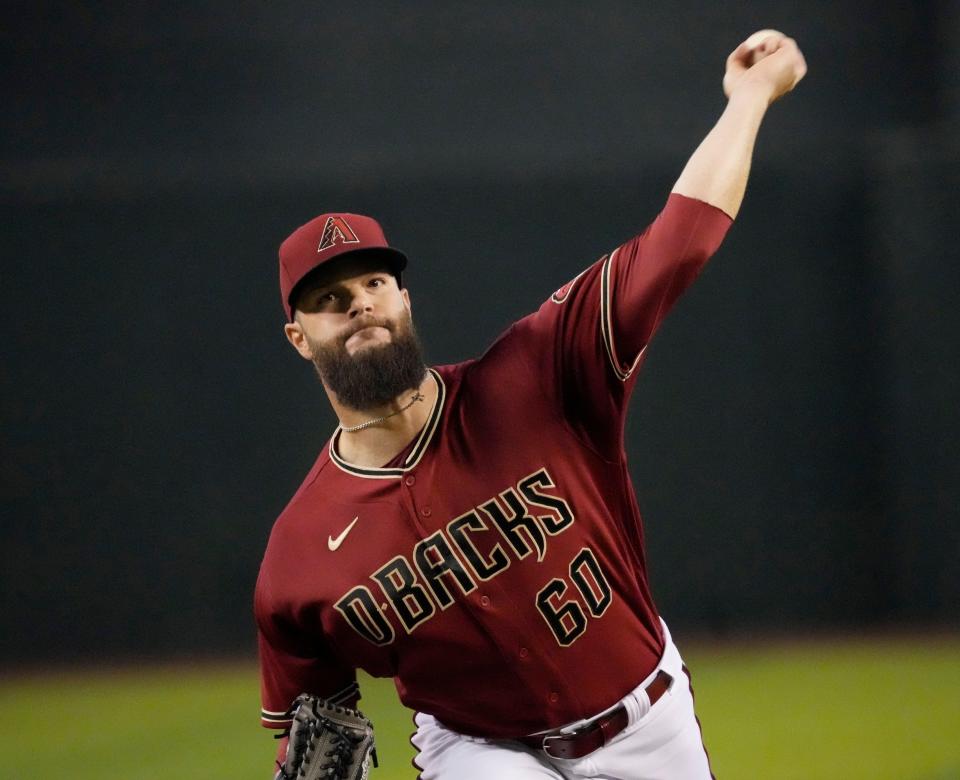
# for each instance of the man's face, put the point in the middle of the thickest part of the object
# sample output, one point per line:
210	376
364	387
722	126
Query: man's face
354	324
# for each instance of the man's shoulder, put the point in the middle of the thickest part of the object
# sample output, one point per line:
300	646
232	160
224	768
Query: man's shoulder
452	373
503	358
313	481
462	380
575	301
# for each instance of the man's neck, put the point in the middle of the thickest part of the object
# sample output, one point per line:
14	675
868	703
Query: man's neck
377	444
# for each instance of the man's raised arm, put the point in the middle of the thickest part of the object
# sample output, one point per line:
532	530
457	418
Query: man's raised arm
763	68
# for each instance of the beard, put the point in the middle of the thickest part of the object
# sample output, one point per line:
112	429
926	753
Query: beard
375	375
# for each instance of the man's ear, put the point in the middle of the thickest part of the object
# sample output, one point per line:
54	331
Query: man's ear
298	339
405	294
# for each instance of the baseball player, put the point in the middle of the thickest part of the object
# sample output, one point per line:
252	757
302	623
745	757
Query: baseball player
471	530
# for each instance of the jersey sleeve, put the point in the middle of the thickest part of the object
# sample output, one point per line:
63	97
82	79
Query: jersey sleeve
589	338
294	659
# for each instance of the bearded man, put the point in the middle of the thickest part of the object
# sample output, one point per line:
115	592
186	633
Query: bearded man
471	530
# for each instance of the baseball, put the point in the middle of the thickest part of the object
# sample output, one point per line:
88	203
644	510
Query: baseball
754	41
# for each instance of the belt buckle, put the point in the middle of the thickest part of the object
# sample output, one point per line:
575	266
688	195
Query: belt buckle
545	746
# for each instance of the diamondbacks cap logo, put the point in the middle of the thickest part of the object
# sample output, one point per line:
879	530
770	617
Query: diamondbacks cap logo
336	231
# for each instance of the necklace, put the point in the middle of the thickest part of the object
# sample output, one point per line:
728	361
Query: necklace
417	396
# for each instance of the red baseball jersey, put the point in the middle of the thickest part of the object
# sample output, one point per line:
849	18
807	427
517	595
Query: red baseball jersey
495	569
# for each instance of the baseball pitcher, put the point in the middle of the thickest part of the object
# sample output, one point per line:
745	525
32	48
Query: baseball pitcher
471	530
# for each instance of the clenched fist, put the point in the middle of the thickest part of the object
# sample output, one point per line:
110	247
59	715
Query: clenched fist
768	61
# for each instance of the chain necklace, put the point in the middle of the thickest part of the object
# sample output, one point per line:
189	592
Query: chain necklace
417	396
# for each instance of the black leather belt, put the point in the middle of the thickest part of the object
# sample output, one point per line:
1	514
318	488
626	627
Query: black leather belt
598	732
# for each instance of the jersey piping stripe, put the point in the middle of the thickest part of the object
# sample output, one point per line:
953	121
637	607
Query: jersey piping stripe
285	717
606	323
426	435
275	718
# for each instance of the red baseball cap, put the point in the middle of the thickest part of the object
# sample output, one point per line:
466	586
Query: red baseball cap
325	238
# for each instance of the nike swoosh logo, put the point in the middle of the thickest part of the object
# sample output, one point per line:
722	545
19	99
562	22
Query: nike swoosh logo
333	544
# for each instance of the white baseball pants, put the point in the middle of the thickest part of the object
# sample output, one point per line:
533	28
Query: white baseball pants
661	742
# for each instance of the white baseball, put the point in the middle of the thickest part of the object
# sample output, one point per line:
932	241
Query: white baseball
756	39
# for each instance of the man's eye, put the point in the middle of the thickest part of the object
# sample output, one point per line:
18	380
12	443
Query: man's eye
376	282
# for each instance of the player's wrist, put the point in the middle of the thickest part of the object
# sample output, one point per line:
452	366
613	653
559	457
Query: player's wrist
752	93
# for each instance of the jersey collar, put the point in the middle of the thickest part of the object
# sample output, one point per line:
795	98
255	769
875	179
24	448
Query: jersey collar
423	441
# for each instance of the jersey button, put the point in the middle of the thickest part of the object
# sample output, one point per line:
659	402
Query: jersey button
485	601
426	511
410	481
554	697
524	652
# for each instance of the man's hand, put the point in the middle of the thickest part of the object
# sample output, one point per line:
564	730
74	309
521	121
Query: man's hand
764	67
768	61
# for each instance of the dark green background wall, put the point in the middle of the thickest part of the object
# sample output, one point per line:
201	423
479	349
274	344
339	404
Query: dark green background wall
793	437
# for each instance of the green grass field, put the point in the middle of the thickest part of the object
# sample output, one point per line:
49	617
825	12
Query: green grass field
843	709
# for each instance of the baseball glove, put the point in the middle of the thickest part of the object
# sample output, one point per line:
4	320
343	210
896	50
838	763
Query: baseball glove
327	741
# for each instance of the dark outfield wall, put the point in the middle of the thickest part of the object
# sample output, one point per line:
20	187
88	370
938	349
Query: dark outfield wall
793	437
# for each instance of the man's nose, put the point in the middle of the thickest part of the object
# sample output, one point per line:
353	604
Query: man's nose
360	303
